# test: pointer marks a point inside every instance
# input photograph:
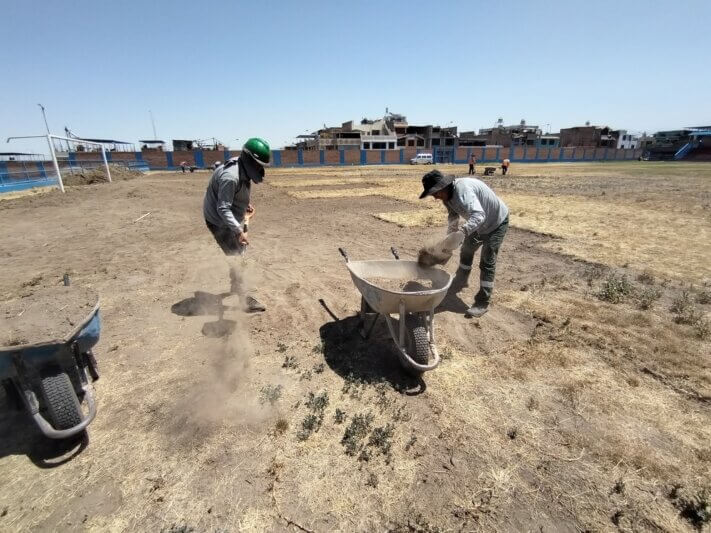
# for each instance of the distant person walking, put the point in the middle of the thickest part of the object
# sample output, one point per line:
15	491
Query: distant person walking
505	166
472	162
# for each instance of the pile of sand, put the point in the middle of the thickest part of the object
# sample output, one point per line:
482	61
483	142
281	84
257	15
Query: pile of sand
402	285
46	315
97	175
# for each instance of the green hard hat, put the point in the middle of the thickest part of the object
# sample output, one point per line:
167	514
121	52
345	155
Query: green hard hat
259	150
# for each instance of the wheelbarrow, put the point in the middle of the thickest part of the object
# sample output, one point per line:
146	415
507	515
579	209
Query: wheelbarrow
413	333
52	377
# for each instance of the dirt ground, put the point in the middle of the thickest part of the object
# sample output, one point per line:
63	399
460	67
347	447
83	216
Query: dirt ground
580	402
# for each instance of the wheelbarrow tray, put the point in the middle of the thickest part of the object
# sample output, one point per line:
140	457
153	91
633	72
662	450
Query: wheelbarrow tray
387	301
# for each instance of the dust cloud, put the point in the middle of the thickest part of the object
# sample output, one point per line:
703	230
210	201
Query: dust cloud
219	393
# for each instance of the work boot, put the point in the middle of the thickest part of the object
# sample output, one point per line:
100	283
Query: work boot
476	310
253	305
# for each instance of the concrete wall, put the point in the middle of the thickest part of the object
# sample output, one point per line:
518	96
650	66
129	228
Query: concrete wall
13	173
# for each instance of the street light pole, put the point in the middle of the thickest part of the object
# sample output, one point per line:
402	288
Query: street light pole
153	123
45	118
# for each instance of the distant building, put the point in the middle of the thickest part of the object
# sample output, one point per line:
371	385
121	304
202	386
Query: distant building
152	145
183	145
627	141
589	136
521	134
549	140
665	144
471	138
376	134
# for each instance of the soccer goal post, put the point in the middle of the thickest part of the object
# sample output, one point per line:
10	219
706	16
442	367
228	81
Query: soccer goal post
68	164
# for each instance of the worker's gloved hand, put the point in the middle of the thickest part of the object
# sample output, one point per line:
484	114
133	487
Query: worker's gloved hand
453	241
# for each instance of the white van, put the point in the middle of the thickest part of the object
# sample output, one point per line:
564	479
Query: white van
422	159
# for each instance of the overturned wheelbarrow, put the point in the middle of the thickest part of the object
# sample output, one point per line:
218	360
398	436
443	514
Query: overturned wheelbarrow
413	332
50	372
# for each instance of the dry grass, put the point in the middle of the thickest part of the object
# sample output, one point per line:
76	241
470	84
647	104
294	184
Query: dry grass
623	214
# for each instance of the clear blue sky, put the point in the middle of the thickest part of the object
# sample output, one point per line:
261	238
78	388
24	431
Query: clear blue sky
277	69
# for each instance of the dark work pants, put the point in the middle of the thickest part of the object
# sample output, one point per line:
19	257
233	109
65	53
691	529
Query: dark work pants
471	168
490	244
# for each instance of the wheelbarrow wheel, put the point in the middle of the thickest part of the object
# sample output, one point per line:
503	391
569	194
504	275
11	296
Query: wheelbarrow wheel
418	339
61	401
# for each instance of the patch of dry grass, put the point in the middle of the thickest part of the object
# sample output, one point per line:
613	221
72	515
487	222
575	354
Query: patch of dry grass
639	224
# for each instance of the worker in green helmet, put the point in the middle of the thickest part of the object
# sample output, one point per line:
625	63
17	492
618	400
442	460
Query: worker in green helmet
227	207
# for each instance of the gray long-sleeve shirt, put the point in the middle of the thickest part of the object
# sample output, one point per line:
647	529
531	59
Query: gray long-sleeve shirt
227	198
477	204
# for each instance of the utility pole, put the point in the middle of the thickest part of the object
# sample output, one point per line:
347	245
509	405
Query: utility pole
45	118
153	123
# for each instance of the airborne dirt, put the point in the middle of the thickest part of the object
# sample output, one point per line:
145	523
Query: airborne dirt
556	411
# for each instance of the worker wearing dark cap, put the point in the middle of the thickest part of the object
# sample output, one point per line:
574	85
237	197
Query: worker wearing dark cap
486	219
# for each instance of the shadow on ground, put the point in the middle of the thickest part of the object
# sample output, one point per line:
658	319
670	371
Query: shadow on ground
20	436
371	360
452	302
206	304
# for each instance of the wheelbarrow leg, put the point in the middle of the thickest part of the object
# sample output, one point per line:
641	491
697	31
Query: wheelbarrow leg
364	309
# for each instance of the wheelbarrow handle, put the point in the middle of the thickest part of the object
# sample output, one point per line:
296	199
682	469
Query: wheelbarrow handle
394	252
344	254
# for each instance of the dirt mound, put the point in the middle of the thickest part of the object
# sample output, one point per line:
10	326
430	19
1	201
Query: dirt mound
97	175
402	285
45	315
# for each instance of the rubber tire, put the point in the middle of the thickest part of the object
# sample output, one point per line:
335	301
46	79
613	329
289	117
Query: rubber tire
418	341
60	400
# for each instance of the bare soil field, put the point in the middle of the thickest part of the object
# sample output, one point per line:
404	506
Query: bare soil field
580	402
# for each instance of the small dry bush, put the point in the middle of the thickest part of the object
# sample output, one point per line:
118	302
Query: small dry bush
702	328
647	296
694	507
615	289
684	309
646	277
704	297
682	303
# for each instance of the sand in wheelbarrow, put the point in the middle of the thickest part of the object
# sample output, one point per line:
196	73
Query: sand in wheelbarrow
47	314
402	285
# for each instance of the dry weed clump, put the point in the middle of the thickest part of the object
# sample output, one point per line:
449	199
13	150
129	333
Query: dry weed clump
615	289
694	507
270	393
646	277
356	432
647	296
702	328
687	313
703	297
316	404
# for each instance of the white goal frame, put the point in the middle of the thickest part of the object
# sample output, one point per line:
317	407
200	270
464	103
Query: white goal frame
49	138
